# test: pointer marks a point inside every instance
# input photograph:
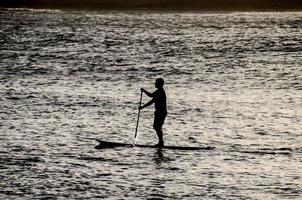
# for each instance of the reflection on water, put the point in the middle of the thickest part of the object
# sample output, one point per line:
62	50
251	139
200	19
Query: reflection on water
159	157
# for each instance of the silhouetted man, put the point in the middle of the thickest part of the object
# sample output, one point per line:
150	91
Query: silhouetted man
159	99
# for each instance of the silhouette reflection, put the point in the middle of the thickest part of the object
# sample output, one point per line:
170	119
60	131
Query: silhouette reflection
159	156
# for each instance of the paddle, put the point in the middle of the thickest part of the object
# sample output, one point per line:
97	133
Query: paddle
139	111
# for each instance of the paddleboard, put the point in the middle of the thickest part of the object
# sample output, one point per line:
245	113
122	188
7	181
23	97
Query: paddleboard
106	144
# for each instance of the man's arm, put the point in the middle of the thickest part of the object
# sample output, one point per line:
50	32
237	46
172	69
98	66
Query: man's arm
147	93
147	104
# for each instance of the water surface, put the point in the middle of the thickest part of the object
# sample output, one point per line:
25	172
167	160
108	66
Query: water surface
233	81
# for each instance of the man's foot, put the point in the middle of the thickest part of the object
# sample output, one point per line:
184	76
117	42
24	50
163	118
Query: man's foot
160	144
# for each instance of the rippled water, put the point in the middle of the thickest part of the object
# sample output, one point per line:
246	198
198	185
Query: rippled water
233	81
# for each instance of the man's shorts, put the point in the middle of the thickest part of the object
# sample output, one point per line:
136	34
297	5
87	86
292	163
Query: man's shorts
159	119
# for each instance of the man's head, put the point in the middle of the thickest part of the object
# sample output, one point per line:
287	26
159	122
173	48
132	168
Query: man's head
159	83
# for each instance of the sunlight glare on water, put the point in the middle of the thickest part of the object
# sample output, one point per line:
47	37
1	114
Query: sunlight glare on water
233	81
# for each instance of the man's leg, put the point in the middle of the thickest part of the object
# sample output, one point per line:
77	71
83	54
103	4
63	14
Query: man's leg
160	134
158	124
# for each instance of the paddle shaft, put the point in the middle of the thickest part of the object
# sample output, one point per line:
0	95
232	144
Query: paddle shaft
139	112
